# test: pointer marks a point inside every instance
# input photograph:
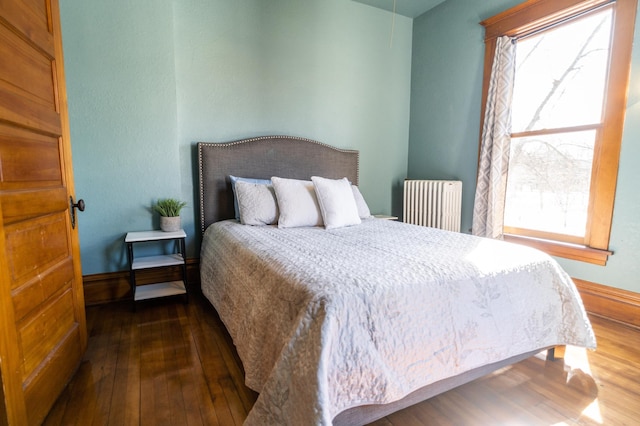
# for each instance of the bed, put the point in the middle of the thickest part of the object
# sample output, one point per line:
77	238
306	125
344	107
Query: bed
346	324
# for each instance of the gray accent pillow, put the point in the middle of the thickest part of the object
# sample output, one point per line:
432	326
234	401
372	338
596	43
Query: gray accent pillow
236	179
257	203
363	208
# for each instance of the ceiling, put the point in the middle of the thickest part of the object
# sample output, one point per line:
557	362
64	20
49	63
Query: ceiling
409	8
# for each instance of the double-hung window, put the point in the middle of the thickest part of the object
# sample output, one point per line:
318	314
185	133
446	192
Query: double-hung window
567	114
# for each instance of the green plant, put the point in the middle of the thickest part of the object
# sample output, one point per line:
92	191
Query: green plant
169	207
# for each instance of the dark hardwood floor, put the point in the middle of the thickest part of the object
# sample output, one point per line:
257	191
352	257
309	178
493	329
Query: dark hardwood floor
173	364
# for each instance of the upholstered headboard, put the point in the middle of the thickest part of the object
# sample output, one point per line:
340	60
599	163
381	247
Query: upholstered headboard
262	158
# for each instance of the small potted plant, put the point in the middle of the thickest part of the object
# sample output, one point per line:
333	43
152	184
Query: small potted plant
169	209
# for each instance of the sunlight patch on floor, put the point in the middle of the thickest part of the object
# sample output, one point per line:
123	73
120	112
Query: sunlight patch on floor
577	359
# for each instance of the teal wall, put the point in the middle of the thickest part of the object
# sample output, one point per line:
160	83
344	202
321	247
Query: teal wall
120	73
146	79
446	86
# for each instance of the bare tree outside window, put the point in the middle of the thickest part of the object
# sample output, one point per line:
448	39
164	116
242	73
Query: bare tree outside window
557	111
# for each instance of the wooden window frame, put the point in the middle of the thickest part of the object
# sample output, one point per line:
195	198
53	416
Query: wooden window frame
532	16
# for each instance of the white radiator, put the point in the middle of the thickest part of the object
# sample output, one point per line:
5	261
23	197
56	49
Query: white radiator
434	203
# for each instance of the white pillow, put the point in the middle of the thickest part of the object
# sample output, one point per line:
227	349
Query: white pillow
337	203
297	203
257	203
235	179
363	208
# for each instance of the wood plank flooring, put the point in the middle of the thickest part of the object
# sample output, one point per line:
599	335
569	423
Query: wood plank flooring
173	364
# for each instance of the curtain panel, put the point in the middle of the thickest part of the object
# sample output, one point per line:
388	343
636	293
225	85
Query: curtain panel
491	187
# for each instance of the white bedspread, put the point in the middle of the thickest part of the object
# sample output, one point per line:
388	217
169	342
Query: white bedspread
327	320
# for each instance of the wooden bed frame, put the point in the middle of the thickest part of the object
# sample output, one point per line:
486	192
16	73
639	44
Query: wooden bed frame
299	158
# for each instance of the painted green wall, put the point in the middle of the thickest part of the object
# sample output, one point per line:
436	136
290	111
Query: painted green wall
120	74
146	79
446	86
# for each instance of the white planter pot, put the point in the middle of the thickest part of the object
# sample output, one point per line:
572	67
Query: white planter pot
170	224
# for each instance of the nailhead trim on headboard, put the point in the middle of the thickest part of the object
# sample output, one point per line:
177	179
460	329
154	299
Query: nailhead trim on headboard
263	157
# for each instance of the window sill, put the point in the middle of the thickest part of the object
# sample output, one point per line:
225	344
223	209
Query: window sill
567	251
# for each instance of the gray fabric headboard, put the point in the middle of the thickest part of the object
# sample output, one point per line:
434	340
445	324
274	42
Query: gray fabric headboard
264	157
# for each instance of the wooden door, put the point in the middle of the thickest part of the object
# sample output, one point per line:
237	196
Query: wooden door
43	331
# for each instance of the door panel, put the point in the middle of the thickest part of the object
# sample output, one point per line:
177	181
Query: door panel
52	378
29	159
34	246
26	112
33	18
29	70
43	334
28	95
43	286
33	203
39	334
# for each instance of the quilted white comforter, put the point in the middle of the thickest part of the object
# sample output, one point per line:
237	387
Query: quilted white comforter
325	320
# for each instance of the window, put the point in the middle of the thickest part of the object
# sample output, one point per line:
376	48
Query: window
573	59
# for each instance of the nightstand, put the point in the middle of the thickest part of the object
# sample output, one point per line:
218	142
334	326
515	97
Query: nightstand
178	258
385	217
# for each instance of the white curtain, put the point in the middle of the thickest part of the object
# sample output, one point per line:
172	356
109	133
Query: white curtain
488	208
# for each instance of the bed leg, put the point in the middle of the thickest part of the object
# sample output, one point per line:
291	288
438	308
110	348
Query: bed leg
557	352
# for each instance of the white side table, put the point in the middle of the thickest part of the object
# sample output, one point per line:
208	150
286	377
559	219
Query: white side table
385	217
159	289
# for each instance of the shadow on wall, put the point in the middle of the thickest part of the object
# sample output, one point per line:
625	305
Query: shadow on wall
397	193
116	253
